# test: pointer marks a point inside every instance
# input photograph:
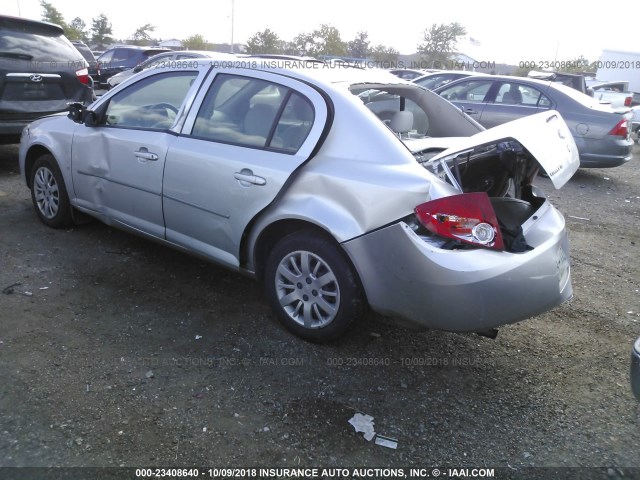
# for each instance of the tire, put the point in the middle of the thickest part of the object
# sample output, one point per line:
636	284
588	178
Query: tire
49	194
312	287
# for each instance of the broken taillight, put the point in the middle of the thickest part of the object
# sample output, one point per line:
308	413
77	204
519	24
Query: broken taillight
468	217
83	75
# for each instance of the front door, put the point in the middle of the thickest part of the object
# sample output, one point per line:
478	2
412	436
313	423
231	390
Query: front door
118	165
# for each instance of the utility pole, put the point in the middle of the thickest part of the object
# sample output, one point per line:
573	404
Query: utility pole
232	5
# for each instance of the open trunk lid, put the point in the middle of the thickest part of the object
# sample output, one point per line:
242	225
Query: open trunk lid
545	136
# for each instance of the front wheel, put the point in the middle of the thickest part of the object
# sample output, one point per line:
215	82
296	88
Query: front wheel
49	194
312	287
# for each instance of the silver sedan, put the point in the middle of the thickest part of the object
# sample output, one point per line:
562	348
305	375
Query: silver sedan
287	173
603	135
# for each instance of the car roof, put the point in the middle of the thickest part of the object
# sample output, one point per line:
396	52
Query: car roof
505	78
137	47
321	74
334	73
7	21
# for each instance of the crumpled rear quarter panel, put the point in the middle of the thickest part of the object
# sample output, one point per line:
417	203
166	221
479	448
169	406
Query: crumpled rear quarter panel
461	290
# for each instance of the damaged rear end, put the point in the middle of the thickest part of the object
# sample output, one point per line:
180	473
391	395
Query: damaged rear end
490	251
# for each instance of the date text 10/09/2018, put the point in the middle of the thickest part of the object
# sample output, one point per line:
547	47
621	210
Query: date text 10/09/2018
578	65
262	473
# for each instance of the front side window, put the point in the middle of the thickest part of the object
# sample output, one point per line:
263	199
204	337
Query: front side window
254	113
151	103
471	91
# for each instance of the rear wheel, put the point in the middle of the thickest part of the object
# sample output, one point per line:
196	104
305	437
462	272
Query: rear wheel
312	287
49	194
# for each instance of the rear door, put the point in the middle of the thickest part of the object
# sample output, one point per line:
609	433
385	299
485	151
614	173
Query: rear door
511	100
246	134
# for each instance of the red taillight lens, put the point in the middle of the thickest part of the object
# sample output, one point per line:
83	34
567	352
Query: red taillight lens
621	129
469	218
83	75
627	101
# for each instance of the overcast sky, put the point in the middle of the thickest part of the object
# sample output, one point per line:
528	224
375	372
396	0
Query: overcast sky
507	31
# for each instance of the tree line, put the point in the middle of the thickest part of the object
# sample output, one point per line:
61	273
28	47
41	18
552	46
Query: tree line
439	41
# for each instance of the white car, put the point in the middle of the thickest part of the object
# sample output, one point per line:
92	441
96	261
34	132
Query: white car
291	174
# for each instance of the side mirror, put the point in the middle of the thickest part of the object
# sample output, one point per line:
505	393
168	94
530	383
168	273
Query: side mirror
90	118
80	114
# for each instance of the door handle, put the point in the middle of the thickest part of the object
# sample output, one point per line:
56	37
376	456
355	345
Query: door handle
146	154
247	178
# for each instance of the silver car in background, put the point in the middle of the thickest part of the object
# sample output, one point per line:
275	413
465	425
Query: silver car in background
288	175
603	135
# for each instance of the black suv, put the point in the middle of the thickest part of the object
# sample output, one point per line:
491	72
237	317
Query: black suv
40	73
117	59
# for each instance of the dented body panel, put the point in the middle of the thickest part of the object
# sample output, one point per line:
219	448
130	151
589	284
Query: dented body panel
456	290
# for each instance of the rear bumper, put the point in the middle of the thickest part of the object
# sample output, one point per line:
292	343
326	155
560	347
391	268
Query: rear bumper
606	153
464	290
594	160
13	128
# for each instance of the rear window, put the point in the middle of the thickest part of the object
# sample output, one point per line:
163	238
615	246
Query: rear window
31	42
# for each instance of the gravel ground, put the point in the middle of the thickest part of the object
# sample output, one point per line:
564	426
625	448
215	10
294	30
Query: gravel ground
118	352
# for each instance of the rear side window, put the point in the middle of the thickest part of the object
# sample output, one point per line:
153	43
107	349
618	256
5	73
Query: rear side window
28	42
254	113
